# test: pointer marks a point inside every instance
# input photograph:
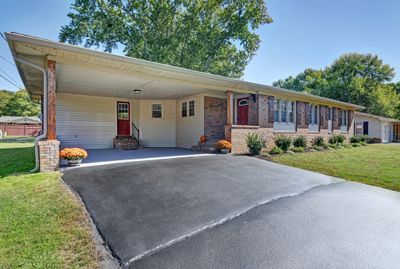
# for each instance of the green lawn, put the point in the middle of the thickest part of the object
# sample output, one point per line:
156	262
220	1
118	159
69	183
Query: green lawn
376	164
42	225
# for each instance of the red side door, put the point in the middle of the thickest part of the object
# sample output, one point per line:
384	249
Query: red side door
243	111
123	118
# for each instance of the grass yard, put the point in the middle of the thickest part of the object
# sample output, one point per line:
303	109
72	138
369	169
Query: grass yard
42	225
375	164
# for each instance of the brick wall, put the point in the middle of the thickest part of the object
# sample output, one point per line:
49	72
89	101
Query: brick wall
214	117
49	155
253	110
238	136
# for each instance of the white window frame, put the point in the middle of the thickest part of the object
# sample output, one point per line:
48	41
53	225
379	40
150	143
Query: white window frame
194	108
187	102
313	126
162	111
345	121
285	126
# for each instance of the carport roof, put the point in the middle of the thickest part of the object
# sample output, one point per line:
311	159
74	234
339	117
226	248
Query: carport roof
71	57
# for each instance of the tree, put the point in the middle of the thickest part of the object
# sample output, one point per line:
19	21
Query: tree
5	97
215	36
361	79
19	104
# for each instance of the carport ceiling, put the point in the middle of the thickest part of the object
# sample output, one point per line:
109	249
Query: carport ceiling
84	80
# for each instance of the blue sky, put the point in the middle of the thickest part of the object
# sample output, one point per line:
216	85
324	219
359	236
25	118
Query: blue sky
307	33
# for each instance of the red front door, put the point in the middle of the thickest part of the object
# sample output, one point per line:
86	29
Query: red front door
243	111
123	118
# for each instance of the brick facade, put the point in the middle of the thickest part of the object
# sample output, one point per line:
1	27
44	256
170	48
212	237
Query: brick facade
253	109
49	155
215	117
238	136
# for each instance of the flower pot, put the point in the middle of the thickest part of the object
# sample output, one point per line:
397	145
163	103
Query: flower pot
224	151
74	162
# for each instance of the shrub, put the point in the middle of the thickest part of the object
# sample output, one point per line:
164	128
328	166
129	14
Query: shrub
318	141
224	144
358	138
362	143
317	148
283	142
332	146
337	139
354	145
347	146
374	140
300	141
255	143
275	151
297	149
73	154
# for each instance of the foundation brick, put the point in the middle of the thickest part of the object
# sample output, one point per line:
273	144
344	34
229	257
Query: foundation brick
49	155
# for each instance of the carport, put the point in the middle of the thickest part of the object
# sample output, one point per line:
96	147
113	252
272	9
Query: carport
98	157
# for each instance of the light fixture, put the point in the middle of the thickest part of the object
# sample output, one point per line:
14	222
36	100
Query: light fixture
137	91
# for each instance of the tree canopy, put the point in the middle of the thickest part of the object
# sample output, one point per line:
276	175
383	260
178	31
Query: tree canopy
17	104
216	36
361	79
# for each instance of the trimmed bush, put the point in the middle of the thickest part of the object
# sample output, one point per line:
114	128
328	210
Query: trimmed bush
283	142
300	141
374	140
337	139
358	139
255	143
275	151
318	141
297	149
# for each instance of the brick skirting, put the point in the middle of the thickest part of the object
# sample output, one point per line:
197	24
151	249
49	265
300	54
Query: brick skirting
49	155
238	136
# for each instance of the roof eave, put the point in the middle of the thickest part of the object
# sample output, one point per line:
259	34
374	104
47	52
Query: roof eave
231	82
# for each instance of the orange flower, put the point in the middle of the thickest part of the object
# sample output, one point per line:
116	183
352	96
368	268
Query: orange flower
224	144
73	153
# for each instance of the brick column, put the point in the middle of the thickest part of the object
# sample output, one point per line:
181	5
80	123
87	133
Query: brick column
49	155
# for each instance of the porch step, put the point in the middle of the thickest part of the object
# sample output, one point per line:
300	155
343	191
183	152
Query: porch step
125	142
208	146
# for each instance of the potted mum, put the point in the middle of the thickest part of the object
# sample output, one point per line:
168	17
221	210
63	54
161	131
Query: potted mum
73	155
224	146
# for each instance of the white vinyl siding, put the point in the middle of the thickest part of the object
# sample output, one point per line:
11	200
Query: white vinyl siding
189	129
86	121
158	132
375	126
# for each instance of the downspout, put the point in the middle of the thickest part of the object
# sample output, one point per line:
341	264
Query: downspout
44	115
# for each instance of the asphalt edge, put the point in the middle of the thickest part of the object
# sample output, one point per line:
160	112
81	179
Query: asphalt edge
107	258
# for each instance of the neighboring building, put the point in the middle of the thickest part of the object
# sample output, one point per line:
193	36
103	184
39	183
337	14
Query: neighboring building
20	126
100	100
385	129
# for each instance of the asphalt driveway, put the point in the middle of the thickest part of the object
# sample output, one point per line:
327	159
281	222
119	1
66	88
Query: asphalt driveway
238	212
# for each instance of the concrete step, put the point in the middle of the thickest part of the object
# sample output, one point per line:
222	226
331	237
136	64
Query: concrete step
125	142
